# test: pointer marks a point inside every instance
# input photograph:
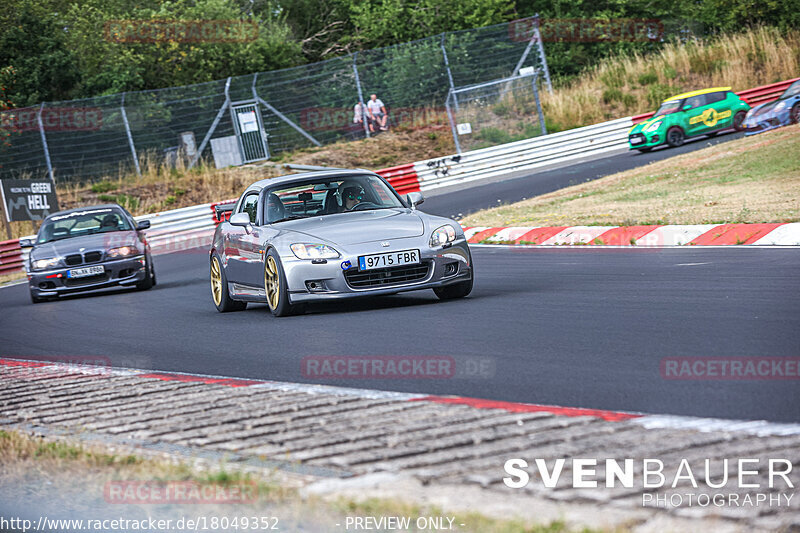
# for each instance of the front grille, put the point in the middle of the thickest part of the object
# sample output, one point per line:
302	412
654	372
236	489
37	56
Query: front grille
386	277
78	259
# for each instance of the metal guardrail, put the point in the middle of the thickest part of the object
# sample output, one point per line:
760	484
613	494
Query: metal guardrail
10	256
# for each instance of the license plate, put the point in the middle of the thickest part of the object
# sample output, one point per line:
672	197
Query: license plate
388	259
85	272
636	140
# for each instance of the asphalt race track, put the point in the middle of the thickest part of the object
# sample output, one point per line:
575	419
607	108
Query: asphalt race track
474	198
582	327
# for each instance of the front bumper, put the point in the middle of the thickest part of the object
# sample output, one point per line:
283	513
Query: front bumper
319	282
645	140
119	272
766	122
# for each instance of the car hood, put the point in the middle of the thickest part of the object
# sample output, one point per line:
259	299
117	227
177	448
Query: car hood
360	226
764	109
98	241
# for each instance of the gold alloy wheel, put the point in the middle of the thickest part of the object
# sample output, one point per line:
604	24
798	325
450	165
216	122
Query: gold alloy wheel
272	282
216	281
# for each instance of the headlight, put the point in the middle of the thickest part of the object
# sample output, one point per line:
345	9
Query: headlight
122	251
44	264
654	126
781	105
443	235
313	251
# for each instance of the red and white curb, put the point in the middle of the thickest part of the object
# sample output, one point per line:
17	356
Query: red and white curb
760	428
767	234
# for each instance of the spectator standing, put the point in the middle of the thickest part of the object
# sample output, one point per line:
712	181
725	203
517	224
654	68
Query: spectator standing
377	113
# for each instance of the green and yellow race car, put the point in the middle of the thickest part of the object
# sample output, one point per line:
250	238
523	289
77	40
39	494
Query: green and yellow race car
704	112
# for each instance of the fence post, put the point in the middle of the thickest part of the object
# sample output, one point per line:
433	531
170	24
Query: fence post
44	142
213	127
130	136
542	57
449	73
538	103
452	122
360	96
281	116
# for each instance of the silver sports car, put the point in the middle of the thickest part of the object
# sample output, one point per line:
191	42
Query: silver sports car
333	234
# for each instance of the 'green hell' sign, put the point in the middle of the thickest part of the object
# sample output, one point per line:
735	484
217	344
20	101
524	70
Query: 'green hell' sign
29	199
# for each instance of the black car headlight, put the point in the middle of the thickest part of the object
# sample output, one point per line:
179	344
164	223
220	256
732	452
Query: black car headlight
44	264
122	251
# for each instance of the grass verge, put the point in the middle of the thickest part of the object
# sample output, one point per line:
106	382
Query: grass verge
54	473
753	179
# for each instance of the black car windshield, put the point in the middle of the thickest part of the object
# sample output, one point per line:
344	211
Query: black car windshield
667	107
326	196
793	90
80	223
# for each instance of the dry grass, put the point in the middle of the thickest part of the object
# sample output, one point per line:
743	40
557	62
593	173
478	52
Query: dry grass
629	85
754	179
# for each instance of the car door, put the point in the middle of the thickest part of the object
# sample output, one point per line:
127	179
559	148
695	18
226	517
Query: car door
239	243
696	113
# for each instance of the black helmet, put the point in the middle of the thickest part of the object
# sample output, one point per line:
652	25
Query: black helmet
353	192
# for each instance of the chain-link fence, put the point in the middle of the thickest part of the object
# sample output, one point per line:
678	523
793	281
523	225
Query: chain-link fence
302	106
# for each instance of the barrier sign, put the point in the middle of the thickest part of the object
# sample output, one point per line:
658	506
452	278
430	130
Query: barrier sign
28	199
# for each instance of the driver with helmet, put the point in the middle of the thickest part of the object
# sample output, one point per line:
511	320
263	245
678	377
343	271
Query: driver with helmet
352	195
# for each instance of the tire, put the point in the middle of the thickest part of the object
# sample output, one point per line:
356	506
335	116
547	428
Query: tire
738	118
645	149
150	280
219	288
794	114
37	300
275	287
675	137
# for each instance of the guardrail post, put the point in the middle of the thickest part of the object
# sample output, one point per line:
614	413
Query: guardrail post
542	57
130	136
44	142
214	124
360	96
449	73
452	122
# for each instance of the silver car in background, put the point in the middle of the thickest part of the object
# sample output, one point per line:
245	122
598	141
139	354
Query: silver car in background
333	234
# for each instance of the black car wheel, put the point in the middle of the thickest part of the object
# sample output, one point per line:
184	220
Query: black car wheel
275	286
794	114
738	119
219	288
150	278
457	290
675	137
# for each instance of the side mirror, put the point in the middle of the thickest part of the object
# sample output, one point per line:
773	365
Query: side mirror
143	224
687	107
240	219
414	199
26	243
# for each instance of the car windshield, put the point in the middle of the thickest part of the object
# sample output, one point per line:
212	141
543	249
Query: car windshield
793	90
80	223
667	108
326	196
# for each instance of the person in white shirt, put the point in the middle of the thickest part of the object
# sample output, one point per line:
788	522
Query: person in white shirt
358	113
377	113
